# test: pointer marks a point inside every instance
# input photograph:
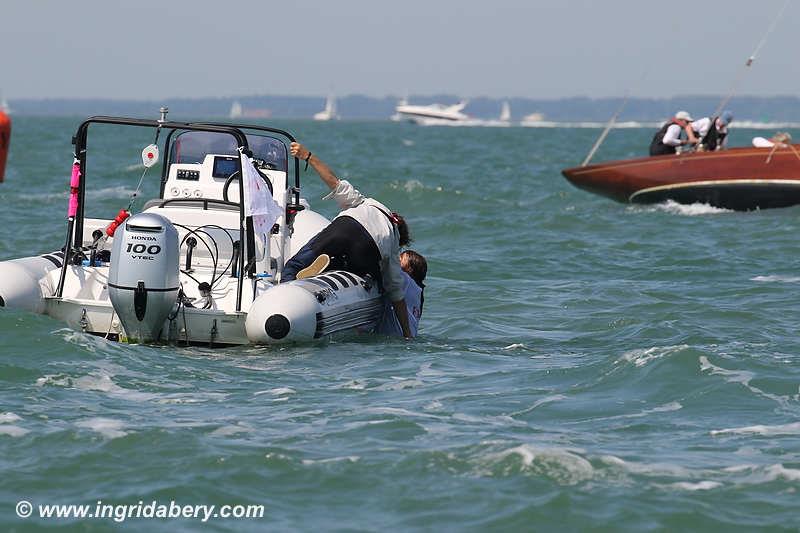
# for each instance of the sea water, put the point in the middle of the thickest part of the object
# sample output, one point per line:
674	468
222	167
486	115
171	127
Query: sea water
582	364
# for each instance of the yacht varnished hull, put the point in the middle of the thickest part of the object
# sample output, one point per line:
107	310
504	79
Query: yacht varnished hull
739	178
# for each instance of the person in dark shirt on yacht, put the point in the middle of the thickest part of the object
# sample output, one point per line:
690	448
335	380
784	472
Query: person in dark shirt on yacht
668	138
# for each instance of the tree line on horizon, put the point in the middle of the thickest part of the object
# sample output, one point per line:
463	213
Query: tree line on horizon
360	107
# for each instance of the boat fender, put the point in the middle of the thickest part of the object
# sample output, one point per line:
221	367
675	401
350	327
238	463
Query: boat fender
284	313
119	219
22	284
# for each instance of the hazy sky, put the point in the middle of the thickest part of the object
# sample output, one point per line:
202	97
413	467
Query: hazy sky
151	49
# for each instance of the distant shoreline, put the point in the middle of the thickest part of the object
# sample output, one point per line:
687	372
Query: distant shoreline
775	111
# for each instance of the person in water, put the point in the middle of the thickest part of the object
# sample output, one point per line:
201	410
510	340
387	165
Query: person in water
415	268
668	138
364	238
712	133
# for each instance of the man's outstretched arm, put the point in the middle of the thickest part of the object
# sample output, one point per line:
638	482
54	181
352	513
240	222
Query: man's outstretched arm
301	152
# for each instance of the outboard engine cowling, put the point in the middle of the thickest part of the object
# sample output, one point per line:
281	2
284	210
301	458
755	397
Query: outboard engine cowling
143	278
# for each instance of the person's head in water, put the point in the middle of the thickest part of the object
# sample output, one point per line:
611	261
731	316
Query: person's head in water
414	265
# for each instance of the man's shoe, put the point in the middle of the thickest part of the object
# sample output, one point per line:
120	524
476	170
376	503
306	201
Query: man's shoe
317	267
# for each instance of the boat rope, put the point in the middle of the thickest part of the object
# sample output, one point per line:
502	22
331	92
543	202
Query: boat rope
141	179
603	135
612	121
781	145
110	322
750	60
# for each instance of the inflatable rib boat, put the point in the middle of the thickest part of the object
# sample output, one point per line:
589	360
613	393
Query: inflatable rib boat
200	264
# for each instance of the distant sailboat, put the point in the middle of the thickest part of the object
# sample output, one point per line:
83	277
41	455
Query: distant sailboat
236	110
329	113
505	112
4	107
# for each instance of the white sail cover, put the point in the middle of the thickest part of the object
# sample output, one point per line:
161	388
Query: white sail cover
258	202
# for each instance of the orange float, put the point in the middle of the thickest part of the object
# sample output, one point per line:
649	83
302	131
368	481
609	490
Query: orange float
5	140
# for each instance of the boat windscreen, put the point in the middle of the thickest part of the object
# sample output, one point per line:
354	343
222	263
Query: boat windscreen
193	146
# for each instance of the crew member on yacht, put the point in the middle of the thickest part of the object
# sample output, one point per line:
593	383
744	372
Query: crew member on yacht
364	238
668	138
415	268
713	133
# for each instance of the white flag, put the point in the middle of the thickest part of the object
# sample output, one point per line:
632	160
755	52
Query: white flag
258	202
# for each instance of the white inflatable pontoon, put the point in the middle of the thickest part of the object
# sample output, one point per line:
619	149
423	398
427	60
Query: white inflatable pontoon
196	265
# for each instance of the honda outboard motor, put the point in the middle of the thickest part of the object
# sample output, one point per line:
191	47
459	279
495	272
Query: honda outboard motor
143	277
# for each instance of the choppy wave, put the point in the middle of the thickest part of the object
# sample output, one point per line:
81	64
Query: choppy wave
689	210
107	427
777	279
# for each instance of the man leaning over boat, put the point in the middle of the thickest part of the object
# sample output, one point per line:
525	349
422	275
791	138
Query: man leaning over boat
364	238
712	132
668	138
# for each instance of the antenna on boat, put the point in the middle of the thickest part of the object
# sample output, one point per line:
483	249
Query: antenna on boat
750	60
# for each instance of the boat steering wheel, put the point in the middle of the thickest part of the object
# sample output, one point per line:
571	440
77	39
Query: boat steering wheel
238	176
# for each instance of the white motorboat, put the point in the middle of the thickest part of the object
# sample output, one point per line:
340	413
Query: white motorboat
200	264
329	113
431	115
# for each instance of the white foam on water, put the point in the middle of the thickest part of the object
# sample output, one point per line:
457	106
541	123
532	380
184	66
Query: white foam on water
540	402
515	346
9	417
778	471
642	356
759	474
191	398
226	431
667	407
742	377
700	485
413	185
425	370
495	421
107	427
776	279
648	469
408	142
13	431
434	405
396	411
119	191
347	458
356	384
98	381
279	391
689	210
785	429
400	384
560	464
110	192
